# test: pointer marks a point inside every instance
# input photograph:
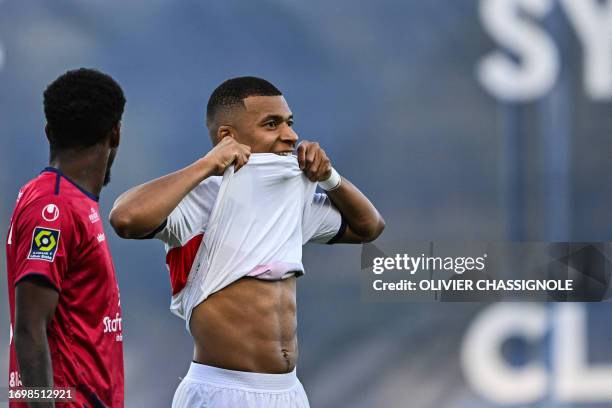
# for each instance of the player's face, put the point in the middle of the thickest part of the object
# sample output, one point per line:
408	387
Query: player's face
266	125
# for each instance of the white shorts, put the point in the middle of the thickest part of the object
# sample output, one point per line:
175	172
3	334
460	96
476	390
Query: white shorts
211	387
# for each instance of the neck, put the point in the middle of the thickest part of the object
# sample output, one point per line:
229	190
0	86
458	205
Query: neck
86	167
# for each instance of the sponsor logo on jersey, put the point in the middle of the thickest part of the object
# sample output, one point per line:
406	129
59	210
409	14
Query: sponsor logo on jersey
93	215
44	244
113	326
101	237
50	212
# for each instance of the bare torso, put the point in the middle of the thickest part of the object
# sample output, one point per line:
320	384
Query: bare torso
248	326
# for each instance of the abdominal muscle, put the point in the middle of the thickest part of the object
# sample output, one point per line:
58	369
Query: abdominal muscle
249	325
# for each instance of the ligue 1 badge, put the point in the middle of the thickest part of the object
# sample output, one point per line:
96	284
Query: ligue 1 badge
44	244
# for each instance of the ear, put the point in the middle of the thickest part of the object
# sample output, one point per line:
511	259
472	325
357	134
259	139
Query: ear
115	136
225	131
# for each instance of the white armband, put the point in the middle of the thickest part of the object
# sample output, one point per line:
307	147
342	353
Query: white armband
332	183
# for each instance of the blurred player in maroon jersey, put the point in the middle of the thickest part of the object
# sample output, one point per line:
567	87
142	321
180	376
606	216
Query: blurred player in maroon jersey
63	294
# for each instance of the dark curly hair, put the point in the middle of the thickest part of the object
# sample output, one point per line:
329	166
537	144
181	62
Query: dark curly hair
234	91
81	107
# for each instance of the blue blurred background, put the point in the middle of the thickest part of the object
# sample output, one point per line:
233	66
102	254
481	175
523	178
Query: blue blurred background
460	119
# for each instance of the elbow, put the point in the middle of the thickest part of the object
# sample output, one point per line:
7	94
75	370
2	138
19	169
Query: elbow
374	230
122	223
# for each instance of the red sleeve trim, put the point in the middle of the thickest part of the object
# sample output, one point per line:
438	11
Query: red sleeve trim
180	260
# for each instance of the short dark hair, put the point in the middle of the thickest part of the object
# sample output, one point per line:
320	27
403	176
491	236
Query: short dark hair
81	107
233	91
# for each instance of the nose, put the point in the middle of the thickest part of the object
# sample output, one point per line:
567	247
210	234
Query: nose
289	136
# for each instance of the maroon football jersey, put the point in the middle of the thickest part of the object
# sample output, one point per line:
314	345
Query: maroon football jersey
56	232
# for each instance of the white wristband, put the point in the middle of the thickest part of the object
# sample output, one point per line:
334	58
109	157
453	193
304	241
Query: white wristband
332	183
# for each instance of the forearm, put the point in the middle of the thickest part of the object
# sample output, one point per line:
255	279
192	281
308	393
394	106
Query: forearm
360	214
143	208
34	358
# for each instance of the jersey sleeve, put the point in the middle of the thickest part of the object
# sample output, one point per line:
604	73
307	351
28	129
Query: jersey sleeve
189	217
44	235
322	222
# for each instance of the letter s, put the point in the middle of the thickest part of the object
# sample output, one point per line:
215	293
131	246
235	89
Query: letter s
538	69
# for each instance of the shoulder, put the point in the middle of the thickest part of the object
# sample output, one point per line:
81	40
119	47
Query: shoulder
40	199
46	207
190	217
210	186
47	187
204	195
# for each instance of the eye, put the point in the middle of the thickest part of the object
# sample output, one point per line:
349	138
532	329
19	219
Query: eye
270	125
290	123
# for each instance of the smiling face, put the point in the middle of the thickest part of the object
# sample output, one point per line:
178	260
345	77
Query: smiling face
263	122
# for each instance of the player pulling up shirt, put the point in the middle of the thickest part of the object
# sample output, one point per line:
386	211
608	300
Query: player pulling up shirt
234	253
248	223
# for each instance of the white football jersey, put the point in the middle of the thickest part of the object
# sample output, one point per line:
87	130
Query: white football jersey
247	223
